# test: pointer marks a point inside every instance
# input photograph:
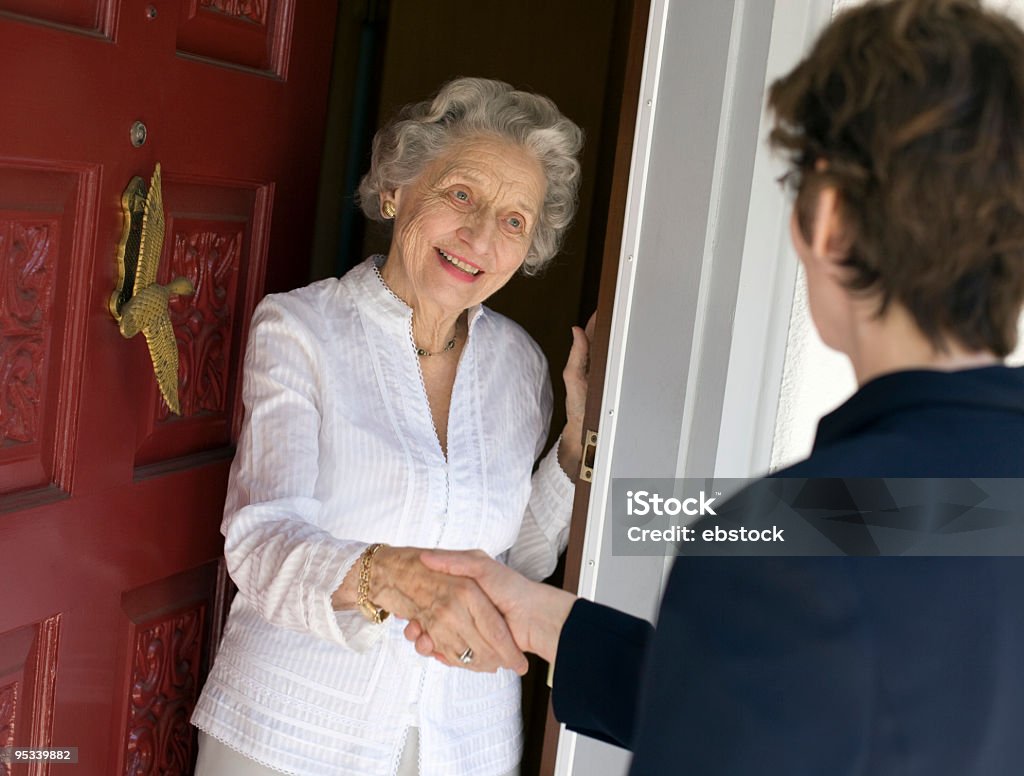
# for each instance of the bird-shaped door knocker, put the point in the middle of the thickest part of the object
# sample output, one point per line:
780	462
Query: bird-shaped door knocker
139	303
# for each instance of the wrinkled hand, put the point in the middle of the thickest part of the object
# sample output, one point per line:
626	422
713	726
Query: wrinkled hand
534	612
576	376
454	610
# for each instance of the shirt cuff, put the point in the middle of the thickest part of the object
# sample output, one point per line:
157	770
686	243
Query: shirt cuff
553	492
348	627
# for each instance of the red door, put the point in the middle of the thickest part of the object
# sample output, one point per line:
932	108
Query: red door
110	584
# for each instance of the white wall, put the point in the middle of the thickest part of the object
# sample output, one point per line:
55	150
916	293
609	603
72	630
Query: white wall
713	369
695	154
816	379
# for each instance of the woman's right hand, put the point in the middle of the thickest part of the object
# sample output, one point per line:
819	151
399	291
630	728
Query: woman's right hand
453	609
535	612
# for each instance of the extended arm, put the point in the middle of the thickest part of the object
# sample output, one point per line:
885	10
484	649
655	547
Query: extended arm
545	527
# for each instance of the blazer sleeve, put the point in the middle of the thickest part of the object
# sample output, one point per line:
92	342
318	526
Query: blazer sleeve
598	670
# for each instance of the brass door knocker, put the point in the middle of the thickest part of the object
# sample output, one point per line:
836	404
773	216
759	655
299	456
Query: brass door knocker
139	303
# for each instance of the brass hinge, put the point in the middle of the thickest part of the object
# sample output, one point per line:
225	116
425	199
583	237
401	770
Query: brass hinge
587	459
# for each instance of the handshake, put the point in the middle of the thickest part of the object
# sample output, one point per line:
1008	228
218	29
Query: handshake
468	610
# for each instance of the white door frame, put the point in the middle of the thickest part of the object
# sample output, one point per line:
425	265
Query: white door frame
704	284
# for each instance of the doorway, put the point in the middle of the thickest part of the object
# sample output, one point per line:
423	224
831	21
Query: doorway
392	52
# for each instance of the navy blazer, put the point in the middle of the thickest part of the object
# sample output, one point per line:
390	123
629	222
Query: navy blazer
829	666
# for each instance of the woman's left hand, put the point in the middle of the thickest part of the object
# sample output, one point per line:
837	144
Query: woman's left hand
576	375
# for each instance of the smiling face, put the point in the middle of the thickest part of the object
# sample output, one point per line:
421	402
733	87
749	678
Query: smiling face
465	225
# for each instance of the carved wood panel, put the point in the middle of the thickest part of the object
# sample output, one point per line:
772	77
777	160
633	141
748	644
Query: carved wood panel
28	680
28	258
252	33
247	10
45	213
171	624
209	254
8	707
216	237
164	690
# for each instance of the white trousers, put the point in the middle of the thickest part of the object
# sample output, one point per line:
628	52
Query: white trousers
217	759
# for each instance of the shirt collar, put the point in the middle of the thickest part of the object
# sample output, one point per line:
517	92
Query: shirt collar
992	387
383	304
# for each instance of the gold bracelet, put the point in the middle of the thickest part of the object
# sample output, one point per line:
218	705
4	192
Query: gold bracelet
374	613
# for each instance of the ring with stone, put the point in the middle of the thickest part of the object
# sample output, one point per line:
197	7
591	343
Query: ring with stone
466	657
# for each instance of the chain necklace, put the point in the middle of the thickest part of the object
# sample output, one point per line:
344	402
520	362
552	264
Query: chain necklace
419	351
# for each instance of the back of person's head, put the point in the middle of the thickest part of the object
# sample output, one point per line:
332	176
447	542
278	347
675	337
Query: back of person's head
914	111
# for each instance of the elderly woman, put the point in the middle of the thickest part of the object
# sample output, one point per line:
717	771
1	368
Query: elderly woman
905	132
389	411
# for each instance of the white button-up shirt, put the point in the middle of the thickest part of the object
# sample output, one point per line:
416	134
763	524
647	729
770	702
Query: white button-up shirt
338	450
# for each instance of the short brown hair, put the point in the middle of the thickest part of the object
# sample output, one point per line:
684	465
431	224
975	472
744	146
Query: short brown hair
917	109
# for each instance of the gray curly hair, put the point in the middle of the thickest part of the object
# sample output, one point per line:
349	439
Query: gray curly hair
470	107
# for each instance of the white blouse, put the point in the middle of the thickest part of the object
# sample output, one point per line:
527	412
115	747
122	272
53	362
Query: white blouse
338	450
